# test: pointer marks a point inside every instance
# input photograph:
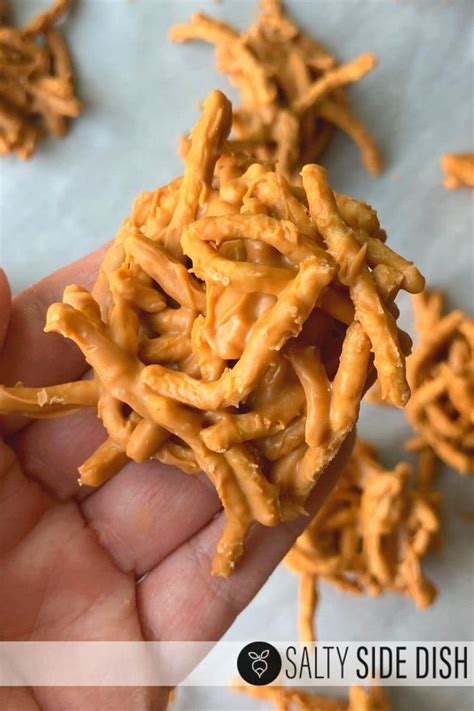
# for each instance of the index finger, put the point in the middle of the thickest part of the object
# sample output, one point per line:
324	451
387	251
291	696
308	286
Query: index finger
29	354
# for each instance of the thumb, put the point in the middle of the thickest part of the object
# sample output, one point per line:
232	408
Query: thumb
5	305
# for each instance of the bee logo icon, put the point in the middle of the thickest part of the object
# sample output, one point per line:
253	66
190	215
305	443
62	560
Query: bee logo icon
259	665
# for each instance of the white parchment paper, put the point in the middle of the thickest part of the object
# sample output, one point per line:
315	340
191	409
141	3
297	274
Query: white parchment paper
140	91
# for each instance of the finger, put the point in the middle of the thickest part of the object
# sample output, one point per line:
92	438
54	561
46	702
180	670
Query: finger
51	451
147	511
22	502
18	698
138	515
5	305
181	600
31	356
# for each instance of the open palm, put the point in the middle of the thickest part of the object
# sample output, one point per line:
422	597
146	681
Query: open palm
129	561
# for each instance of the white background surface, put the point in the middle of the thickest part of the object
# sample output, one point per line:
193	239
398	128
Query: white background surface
140	91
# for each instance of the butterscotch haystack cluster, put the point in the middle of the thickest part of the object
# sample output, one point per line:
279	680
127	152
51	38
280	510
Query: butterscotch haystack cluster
370	535
291	89
231	330
441	375
36	81
458	170
294	699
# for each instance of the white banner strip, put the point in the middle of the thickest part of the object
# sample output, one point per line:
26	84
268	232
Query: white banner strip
216	664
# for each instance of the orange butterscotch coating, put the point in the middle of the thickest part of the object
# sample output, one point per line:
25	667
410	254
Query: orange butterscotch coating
458	170
36	81
294	699
291	89
441	375
234	317
371	533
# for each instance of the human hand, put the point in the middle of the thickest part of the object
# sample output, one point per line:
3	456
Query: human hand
130	561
